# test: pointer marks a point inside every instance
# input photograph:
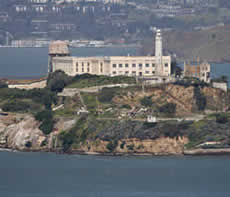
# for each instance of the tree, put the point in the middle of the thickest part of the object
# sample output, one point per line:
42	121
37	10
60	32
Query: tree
46	119
58	80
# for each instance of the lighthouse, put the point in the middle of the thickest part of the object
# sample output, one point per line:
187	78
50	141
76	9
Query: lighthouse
158	52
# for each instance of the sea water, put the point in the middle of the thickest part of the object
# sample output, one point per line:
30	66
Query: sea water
52	175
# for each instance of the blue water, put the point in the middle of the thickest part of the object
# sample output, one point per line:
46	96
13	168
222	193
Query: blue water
51	175
32	62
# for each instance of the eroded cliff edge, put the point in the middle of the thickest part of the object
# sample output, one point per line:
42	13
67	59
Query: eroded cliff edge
87	135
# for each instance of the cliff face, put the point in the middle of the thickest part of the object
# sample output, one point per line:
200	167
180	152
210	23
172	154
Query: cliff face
160	146
21	132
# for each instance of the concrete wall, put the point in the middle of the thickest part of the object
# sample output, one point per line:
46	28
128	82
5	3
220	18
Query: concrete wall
40	84
222	86
114	65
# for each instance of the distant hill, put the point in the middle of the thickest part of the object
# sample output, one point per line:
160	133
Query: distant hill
211	44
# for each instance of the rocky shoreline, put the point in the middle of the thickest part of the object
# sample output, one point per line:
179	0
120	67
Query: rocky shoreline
192	152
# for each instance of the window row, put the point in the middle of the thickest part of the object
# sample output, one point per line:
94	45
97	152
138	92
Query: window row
133	65
133	72
82	63
136	65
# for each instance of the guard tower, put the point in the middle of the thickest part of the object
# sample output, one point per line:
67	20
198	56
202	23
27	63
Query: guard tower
57	49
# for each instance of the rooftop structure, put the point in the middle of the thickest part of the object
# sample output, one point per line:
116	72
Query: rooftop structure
57	48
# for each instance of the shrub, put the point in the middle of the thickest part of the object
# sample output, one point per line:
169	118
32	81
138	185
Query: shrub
146	101
200	99
15	106
67	139
28	144
130	147
111	146
126	106
122	145
44	115
221	118
106	95
168	108
47	126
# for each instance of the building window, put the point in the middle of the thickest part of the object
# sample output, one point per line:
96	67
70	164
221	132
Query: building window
82	69
140	65
120	65
126	65
153	65
114	65
134	65
153	72
166	65
146	72
76	67
146	65
126	72
101	69
82	64
134	73
101	64
88	69
114	72
88	64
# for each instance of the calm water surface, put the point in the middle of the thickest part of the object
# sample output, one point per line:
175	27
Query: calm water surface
32	62
51	175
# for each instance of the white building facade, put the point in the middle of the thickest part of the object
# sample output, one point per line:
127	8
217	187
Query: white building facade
140	66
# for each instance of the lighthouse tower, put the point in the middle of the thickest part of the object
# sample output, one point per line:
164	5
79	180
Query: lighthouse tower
158	52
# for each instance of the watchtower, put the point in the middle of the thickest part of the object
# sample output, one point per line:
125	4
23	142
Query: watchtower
57	49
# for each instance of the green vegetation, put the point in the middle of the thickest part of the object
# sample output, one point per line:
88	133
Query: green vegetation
87	80
106	95
90	101
222	118
75	135
130	147
147	101
16	106
58	80
200	99
46	119
42	96
168	108
111	146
